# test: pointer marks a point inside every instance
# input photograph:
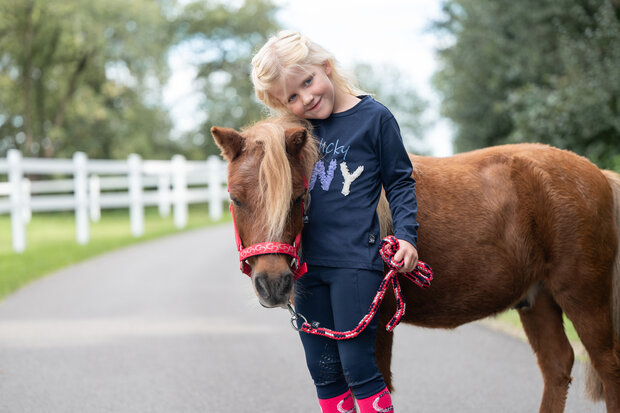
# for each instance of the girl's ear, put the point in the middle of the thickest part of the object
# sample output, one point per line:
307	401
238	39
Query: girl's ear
327	66
229	141
295	140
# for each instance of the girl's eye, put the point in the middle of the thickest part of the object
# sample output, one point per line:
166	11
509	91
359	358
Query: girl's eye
292	98
308	81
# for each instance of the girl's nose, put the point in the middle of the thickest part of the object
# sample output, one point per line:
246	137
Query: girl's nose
306	98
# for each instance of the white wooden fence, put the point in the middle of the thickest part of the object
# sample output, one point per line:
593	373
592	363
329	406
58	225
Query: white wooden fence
88	185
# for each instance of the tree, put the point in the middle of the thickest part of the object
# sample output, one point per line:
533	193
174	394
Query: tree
579	109
82	75
224	37
533	71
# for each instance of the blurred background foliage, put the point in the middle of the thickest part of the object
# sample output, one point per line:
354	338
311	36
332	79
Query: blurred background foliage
533	71
89	75
83	75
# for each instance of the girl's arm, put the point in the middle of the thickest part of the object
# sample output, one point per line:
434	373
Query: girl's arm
399	187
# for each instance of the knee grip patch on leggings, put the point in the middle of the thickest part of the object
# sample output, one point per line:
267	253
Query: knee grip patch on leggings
327	368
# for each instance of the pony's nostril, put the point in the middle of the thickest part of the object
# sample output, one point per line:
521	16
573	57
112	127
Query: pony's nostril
262	286
285	284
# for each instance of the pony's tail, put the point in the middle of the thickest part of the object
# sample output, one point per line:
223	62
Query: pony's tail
594	386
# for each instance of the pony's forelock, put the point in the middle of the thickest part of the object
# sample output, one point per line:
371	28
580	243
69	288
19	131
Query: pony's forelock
275	178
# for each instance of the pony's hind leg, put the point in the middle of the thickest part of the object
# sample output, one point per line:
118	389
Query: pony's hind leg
594	326
542	322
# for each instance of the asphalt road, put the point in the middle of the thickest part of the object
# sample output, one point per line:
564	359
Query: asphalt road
173	326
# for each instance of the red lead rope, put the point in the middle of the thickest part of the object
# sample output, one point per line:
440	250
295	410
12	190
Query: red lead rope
421	275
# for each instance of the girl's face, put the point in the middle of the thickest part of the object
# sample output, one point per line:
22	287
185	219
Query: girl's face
307	92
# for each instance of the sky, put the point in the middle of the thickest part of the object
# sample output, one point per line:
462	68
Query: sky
391	32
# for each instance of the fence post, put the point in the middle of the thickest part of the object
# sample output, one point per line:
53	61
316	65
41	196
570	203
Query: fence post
16	174
214	169
94	196
163	193
179	191
80	194
26	200
136	201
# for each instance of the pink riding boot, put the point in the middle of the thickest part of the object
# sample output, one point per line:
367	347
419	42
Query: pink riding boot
339	404
380	402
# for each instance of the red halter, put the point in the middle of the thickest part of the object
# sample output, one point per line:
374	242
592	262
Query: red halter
263	248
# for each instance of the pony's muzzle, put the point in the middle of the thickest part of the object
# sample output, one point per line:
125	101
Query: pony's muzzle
273	291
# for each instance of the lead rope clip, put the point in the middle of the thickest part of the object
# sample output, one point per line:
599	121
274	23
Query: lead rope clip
295	316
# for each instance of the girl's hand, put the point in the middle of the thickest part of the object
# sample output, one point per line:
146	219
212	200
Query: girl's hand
408	254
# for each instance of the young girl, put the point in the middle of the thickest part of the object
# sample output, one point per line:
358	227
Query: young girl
362	150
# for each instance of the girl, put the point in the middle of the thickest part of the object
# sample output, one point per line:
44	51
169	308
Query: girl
362	150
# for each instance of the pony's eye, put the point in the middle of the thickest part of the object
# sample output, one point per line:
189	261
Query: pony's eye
235	202
299	198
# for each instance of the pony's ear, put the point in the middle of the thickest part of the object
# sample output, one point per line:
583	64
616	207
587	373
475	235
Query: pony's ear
295	139
229	141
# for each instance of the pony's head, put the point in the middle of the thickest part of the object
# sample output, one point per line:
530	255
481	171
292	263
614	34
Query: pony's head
268	164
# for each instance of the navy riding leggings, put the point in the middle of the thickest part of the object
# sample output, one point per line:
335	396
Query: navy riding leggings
338	298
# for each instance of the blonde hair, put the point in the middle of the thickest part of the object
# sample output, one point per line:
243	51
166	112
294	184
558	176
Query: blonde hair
285	51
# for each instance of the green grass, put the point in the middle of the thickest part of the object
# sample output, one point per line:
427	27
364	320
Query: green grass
51	243
512	317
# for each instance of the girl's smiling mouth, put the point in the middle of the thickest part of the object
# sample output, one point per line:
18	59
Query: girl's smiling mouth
316	105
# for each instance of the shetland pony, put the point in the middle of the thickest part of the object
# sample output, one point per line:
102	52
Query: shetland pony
522	226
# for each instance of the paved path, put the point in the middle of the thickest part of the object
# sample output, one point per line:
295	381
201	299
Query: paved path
171	326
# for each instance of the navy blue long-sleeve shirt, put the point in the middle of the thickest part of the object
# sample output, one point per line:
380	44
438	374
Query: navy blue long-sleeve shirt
361	150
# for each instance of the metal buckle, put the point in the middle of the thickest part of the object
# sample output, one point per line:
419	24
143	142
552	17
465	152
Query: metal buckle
295	316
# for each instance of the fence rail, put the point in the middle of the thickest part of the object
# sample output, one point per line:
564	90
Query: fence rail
87	186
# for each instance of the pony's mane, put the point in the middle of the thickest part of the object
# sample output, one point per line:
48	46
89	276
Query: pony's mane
275	178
